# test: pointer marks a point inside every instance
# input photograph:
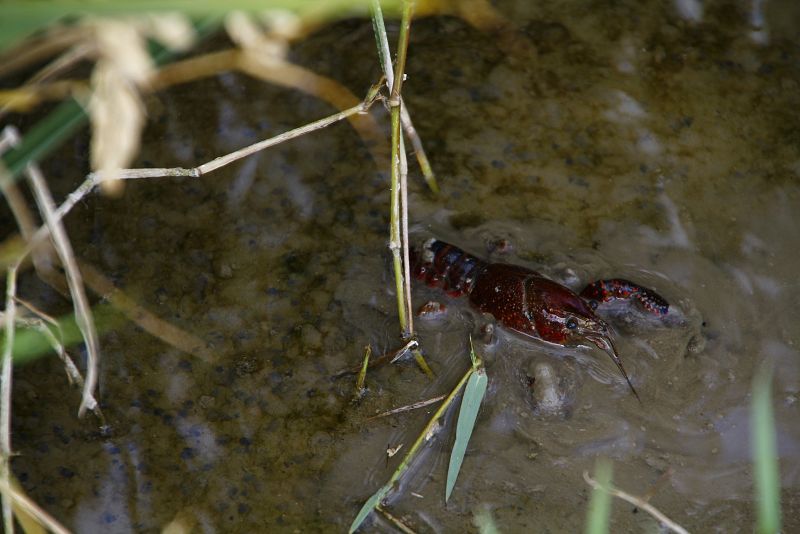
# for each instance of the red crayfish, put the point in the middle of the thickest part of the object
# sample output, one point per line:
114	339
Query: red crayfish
527	302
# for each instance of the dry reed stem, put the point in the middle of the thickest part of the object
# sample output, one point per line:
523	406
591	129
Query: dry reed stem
5	395
419	150
28	523
27	97
283	74
405	349
33	51
25	503
40	324
396	521
42	256
408	407
149	322
636	501
83	314
35	91
64	62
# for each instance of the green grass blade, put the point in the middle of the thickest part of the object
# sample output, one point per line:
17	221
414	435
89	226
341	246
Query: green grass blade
599	515
471	403
369	506
29	344
46	136
765	454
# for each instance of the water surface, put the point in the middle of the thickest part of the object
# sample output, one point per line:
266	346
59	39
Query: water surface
657	142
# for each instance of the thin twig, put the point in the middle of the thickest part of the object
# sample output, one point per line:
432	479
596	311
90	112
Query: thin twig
83	313
73	374
297	132
402	351
419	150
384	56
386	357
5	395
25	503
42	256
278	72
396	521
657	485
31	51
146	320
636	501
94	179
404	230
27	97
408	408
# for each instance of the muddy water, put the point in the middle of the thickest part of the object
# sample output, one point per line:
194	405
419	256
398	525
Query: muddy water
658	143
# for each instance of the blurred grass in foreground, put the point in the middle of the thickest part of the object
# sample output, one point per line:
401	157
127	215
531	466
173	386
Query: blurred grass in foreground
765	454
597	520
21	18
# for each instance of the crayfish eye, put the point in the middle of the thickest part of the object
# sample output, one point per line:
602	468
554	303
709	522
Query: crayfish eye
593	304
572	324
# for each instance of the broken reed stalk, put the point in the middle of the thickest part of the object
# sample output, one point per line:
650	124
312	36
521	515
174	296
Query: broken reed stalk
408	408
5	395
362	374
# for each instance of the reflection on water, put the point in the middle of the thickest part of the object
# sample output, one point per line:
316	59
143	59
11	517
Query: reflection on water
656	143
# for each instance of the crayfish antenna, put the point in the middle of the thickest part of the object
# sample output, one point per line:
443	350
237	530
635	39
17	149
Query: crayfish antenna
604	342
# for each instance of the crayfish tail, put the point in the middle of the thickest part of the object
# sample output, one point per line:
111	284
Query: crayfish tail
444	265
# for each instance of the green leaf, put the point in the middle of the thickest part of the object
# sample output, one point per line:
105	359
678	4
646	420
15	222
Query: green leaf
765	454
369	506
473	396
600	504
30	344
